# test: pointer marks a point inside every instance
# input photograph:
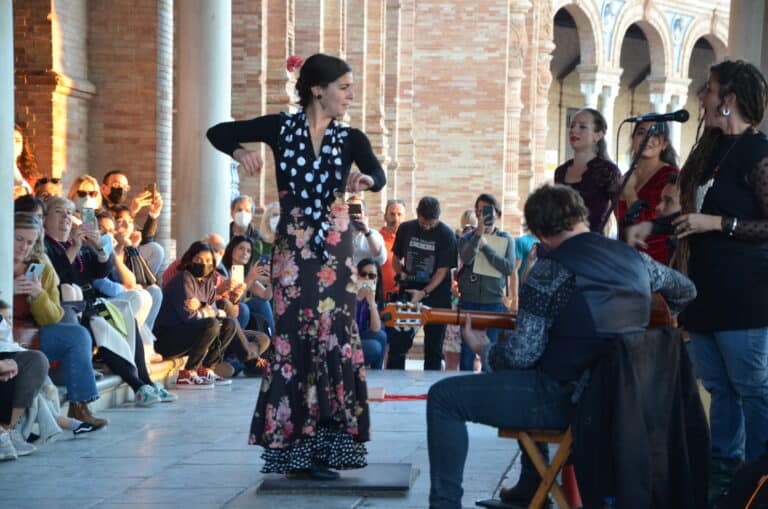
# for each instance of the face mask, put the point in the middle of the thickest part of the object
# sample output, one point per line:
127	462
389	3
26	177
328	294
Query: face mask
200	269
87	203
243	218
5	331
273	222
117	195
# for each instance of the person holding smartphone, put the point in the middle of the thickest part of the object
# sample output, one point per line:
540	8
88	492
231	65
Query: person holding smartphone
370	301
483	282
366	242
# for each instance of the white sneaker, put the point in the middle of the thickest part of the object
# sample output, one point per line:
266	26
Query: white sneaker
7	451
211	375
147	396
166	396
188	379
22	447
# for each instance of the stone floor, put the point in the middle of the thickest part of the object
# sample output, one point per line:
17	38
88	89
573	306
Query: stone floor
192	454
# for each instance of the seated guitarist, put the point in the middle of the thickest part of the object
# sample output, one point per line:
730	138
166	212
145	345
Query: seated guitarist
585	290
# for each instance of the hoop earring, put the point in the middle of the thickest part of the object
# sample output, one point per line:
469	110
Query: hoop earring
725	112
318	96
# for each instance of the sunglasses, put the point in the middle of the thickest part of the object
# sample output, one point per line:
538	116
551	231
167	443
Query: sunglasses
368	275
83	194
47	180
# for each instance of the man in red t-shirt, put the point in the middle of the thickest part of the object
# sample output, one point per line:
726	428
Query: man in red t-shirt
394	214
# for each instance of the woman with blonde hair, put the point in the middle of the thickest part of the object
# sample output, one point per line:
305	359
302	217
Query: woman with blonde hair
85	193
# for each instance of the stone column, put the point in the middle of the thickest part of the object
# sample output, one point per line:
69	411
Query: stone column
601	82
205	69
517	41
591	95
6	152
607	103
357	55
667	95
392	82
374	81
747	33
309	27
334	27
675	128
164	121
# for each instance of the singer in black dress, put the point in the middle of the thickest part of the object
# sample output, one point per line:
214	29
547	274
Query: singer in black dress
312	409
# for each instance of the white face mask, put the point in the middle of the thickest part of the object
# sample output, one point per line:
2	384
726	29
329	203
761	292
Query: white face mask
243	218
273	222
87	203
6	334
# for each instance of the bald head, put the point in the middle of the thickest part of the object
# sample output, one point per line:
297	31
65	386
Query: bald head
216	241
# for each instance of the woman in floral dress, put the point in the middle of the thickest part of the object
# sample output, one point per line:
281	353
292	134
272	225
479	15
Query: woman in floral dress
312	412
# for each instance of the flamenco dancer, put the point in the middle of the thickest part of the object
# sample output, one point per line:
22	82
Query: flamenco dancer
312	412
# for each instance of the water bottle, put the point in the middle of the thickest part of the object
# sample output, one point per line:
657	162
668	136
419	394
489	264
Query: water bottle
609	503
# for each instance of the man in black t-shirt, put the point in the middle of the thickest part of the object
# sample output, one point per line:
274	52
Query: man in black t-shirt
422	256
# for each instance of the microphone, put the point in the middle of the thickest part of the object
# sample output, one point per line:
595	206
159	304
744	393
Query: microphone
675	116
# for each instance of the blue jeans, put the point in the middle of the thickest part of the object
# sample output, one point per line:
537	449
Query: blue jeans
467	360
374	347
243	315
70	344
259	306
513	399
733	366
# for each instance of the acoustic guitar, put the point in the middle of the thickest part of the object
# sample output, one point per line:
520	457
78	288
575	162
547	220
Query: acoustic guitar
405	314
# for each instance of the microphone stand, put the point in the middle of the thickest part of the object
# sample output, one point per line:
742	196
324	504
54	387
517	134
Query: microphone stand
632	167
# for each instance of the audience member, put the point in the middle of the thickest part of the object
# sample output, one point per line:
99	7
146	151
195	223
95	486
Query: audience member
38	312
394	214
642	192
552	344
422	256
366	243
25	173
370	301
84	193
22	374
269	221
189	322
591	171
488	259
46	187
667	211
114	193
242	210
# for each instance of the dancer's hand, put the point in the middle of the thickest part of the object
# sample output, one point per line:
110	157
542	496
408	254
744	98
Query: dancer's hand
357	182
249	161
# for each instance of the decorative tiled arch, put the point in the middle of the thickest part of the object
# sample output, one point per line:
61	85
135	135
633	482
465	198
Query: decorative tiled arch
588	26
715	33
656	29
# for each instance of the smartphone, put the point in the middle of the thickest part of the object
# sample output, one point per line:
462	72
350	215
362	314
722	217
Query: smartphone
107	243
355	208
367	283
237	274
152	188
265	259
488	214
89	219
34	271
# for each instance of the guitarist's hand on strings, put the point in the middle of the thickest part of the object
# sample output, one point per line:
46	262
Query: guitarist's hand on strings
475	338
417	295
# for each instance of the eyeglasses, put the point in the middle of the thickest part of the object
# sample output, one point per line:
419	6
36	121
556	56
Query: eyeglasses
47	180
368	275
83	194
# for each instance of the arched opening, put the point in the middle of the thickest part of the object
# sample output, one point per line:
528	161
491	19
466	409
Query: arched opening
702	57
564	94
633	98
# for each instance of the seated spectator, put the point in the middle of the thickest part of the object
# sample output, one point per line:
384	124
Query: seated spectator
534	366
189	322
370	301
38	313
257	288
114	193
269	223
47	187
29	203
366	243
242	210
22	374
80	259
84	193
667	210
215	241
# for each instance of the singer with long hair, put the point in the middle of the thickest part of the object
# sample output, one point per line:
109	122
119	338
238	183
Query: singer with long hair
312	412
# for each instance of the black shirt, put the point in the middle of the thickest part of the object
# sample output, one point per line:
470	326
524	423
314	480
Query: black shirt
425	251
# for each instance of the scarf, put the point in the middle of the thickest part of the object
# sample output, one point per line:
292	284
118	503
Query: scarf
313	184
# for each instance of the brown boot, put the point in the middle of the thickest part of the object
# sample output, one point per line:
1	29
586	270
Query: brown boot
81	412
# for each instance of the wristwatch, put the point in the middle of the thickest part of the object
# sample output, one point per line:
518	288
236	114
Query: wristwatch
426	293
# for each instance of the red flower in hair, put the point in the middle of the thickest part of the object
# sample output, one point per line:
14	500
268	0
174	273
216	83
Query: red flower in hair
293	63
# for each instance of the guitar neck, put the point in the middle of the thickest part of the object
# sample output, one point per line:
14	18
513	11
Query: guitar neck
480	319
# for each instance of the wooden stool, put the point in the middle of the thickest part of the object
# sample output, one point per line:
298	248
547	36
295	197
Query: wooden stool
549	472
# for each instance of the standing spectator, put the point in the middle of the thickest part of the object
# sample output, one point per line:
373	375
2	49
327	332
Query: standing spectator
483	282
242	210
46	187
114	193
422	256
189	322
370	301
25	173
722	242
394	214
591	171
366	243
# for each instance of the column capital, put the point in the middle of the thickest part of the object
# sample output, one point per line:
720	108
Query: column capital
519	6
600	75
669	86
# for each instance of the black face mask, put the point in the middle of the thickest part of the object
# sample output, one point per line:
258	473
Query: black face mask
200	269
117	195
